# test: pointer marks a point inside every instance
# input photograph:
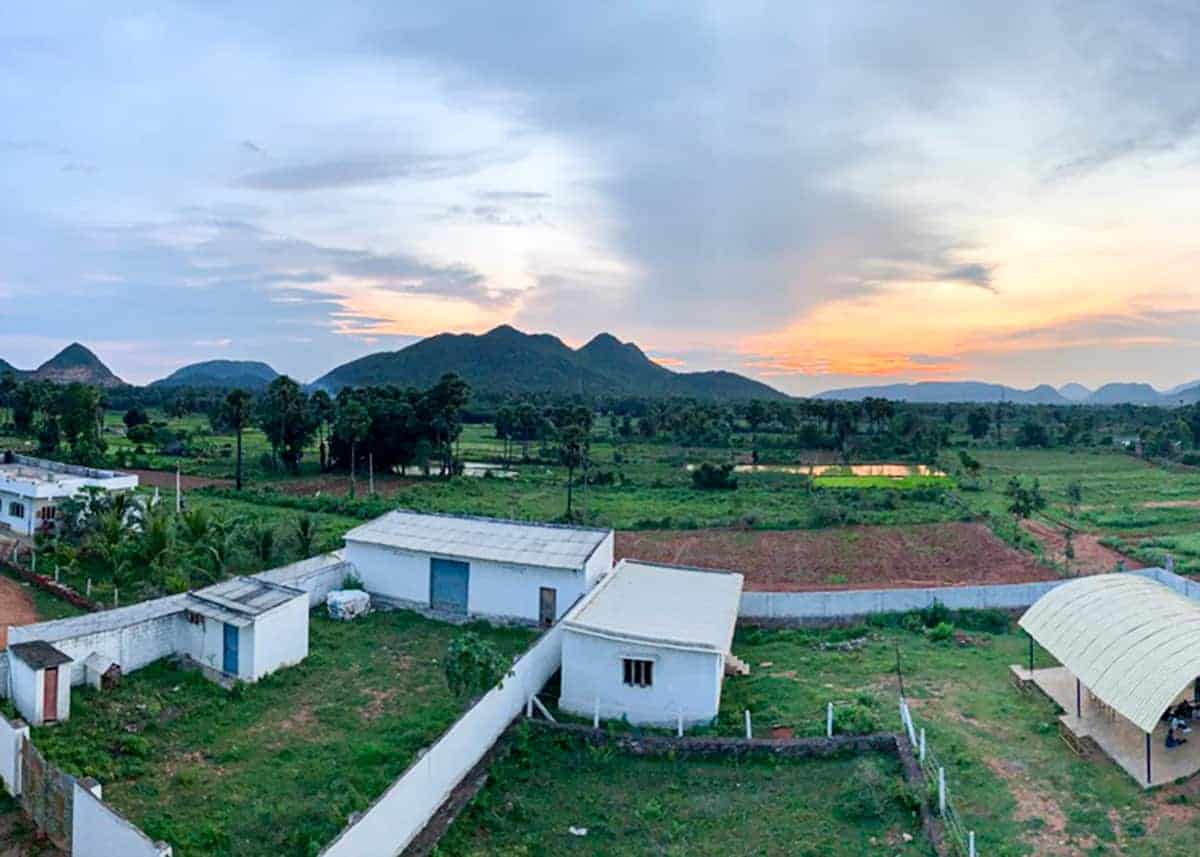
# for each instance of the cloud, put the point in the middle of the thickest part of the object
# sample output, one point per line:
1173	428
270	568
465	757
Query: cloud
251	146
971	274
366	170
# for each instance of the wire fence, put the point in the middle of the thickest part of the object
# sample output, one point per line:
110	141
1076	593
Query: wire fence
960	838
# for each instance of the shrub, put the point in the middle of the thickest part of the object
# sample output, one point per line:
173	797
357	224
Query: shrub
941	632
473	665
935	614
854	719
714	477
865	793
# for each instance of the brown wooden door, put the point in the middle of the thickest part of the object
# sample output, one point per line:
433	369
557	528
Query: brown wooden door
547	605
50	696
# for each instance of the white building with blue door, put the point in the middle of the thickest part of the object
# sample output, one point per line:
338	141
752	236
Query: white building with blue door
465	565
240	629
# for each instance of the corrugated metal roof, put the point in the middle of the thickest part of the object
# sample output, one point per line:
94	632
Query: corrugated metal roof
1133	643
492	539
664	604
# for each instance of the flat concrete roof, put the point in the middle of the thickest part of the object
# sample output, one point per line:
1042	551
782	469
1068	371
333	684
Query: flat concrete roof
491	539
42	478
667	605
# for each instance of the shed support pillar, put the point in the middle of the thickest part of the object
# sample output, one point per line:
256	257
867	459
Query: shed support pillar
1078	699
1030	636
1147	758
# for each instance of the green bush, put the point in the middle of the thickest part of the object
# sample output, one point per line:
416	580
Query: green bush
855	719
714	477
941	632
865	794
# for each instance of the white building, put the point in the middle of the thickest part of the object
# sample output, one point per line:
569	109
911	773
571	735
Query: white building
650	644
243	629
478	566
31	488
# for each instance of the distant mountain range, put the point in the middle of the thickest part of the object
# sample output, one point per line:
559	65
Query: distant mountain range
505	361
939	392
247	374
73	363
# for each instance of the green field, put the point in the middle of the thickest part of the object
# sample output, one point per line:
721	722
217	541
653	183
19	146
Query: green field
1012	778
550	783
274	768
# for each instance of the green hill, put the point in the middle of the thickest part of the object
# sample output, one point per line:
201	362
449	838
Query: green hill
505	361
246	374
75	363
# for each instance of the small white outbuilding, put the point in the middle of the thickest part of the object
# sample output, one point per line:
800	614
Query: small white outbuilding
478	566
650	644
40	694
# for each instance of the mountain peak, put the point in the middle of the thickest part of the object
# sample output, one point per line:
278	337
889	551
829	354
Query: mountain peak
77	363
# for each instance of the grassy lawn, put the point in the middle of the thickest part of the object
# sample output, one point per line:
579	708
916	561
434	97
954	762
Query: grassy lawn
659	806
277	767
1013	779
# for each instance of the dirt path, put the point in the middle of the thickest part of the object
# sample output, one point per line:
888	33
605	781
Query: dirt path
1091	557
846	558
16	608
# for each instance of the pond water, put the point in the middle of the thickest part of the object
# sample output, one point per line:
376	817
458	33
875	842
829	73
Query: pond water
893	471
479	469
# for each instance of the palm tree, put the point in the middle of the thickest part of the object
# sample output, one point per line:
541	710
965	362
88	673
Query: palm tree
235	411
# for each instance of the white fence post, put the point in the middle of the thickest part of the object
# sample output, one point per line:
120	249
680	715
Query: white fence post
596	713
679	724
529	706
941	791
922	744
749	733
829	720
912	732
971	844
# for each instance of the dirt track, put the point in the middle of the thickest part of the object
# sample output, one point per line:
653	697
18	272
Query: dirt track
849	558
16	607
1091	557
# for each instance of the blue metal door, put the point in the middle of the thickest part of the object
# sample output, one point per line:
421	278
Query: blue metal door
231	649
448	583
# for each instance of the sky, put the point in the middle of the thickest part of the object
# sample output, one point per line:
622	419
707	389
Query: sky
817	194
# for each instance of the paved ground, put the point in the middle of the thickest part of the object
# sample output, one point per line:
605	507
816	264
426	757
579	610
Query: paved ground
16	608
844	558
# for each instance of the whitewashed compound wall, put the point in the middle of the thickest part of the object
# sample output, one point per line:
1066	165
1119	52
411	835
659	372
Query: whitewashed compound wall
406	807
317	575
848	604
100	832
11	736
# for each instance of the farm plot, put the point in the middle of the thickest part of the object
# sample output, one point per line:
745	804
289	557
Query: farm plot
1012	778
781	560
275	768
555	795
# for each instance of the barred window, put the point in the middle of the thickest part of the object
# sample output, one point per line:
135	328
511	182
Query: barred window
638	672
16	510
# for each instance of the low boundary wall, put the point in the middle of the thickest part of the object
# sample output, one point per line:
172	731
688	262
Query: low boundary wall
855	603
12	734
101	832
401	813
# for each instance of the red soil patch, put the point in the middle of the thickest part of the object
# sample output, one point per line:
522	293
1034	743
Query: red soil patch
165	480
1091	557
847	558
16	608
337	484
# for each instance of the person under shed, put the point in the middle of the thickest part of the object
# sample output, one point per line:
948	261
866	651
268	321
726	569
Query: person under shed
651	644
1129	655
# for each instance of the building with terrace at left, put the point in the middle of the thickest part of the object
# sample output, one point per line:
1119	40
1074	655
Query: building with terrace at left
32	488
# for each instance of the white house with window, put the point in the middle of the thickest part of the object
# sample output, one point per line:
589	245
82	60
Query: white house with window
464	565
32	488
650	643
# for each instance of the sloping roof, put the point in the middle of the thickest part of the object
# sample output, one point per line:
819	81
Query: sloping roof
1133	643
239	600
492	539
662	604
38	654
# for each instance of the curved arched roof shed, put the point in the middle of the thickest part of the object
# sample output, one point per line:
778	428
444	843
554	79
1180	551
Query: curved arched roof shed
1134	643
